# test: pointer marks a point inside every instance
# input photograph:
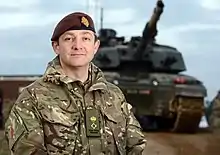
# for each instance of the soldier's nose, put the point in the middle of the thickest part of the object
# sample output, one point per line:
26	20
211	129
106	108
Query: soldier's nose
77	45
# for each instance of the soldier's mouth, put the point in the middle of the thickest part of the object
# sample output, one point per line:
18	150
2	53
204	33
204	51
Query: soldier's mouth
77	54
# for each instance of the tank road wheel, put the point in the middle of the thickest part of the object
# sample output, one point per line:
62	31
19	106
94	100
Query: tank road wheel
148	123
189	111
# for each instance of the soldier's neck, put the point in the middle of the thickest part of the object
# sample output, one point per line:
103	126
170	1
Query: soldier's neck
76	73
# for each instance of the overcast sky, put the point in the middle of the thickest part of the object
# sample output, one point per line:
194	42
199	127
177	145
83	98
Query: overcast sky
192	26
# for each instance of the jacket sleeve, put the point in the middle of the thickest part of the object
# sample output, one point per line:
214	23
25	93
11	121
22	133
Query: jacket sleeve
136	141
23	128
135	138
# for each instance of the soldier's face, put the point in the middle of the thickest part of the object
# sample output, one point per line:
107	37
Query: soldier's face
76	48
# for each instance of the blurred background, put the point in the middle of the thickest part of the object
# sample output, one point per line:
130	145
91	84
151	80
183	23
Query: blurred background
192	27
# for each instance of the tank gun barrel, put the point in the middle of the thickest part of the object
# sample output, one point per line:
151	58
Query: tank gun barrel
150	30
158	10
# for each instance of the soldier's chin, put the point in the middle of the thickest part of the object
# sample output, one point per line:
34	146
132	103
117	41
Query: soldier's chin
78	64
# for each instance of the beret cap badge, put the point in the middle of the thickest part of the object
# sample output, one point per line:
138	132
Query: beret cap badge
85	21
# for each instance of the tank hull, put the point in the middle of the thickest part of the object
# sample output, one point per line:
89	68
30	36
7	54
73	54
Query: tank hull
165	105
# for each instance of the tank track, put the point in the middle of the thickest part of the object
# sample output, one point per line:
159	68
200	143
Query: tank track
188	112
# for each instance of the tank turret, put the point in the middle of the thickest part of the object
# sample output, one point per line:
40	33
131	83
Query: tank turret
140	52
150	75
108	38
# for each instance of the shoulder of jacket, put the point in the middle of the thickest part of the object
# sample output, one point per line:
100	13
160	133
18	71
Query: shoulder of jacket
29	92
114	89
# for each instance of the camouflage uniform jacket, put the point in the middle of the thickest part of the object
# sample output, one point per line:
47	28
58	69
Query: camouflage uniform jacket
49	117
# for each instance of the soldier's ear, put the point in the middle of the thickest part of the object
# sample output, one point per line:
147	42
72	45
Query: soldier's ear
96	47
55	45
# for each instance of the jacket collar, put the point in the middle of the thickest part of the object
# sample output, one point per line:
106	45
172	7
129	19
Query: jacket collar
55	75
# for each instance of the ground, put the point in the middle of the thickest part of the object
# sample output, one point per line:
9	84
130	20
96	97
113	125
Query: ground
161	143
183	144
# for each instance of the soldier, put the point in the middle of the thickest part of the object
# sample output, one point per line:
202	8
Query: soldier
214	118
72	109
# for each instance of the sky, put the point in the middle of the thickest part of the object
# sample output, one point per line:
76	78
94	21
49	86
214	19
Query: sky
191	26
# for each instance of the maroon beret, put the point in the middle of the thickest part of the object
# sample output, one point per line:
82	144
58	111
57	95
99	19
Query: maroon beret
73	21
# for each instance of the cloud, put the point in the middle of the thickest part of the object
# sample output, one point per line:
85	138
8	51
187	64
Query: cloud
32	19
35	13
14	20
20	4
212	5
25	50
195	27
120	16
38	17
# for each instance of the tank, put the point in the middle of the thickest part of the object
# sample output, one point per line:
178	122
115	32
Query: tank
152	79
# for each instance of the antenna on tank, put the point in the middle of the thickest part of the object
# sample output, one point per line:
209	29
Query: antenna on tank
101	18
87	6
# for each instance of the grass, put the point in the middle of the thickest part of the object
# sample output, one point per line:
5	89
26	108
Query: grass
3	144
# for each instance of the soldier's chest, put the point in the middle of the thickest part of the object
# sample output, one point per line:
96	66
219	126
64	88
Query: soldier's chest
67	106
67	123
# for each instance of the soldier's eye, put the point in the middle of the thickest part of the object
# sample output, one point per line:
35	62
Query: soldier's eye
86	38
67	38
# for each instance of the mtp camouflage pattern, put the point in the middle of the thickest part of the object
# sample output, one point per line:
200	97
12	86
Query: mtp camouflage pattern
49	117
215	112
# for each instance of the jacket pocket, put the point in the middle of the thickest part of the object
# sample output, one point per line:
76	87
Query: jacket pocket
55	115
60	128
115	124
